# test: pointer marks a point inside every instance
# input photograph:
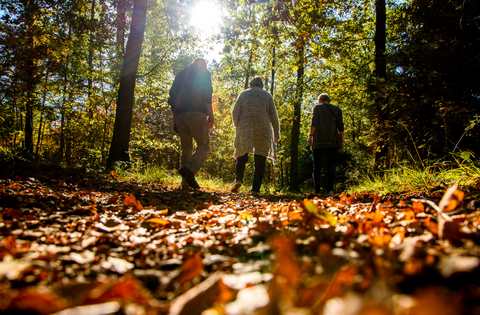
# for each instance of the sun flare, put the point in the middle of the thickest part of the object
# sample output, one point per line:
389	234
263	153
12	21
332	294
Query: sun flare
205	16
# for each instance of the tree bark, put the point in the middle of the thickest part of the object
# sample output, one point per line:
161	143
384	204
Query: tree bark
29	78
379	88
123	119
249	69
90	60
273	71
294	176
380	39
121	17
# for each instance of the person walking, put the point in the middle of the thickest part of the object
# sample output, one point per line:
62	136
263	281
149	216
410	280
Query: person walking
326	139
257	129
191	105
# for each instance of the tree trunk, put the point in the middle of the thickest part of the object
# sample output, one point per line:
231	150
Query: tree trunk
249	67
381	74
121	18
90	60
380	39
123	119
42	114
273	72
294	176
63	113
29	78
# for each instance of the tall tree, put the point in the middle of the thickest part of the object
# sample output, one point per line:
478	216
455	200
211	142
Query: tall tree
380	78
297	107
119	148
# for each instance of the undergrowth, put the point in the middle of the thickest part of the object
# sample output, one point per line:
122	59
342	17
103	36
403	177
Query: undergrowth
463	168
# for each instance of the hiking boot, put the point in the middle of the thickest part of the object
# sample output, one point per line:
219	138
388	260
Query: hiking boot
189	177
255	193
236	187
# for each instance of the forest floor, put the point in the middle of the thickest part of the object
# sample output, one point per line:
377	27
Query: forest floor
90	243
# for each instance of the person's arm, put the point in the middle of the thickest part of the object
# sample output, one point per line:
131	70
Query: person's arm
310	136
313	126
174	121
207	92
274	120
341	141
341	130
211	119
236	112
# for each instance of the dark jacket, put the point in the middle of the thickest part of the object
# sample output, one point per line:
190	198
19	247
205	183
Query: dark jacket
328	121
191	90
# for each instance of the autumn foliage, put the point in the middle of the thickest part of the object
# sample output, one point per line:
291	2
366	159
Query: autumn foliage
160	250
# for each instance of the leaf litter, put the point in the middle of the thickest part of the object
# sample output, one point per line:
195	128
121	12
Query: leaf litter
113	247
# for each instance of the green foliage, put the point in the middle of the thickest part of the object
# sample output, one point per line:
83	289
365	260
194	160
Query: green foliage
63	63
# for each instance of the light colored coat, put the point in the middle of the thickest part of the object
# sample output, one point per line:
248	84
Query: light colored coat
256	121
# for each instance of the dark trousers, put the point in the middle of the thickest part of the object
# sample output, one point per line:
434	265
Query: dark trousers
260	162
324	158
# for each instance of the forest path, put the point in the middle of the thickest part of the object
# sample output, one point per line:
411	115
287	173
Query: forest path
70	240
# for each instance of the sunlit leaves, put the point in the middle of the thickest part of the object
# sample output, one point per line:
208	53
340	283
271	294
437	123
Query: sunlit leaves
142	243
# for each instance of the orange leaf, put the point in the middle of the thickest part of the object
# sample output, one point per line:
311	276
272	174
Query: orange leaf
295	216
456	198
130	200
158	221
204	206
191	268
418	207
344	279
37	300
127	289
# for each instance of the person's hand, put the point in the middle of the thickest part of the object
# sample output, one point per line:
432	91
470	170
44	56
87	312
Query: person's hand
310	140
210	122
341	148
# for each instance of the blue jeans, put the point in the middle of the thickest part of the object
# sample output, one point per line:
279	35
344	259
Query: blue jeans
324	158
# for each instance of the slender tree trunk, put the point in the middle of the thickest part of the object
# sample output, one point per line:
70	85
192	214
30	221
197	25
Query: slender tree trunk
68	132
273	71
40	127
17	124
104	137
380	39
123	120
29	78
90	60
381	74
63	109
249	67
294	175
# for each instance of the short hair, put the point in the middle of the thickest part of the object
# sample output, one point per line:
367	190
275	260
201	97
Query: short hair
256	82
201	62
324	97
